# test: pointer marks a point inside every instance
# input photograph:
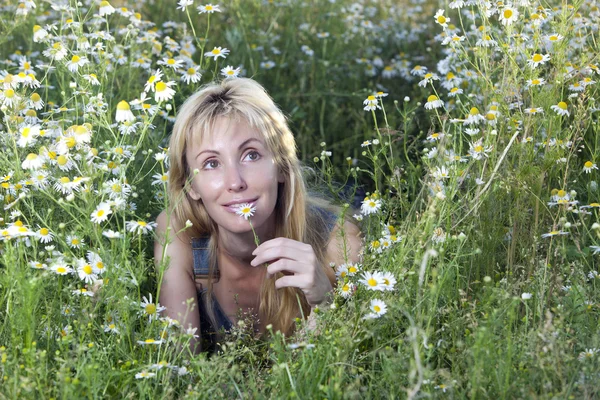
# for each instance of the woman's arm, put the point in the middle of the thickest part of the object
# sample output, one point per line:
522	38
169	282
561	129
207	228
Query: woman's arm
178	289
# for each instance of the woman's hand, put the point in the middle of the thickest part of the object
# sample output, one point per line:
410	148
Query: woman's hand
298	261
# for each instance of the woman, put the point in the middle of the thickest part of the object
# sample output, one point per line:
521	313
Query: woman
231	146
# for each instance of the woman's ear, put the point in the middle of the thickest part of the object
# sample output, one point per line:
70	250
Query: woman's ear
194	195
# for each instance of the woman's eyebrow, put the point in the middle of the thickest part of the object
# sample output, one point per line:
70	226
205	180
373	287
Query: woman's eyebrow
244	143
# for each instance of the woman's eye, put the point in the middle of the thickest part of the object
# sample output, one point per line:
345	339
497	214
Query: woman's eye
211	164
253	155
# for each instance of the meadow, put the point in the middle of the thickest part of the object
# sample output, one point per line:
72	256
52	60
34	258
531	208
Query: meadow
461	136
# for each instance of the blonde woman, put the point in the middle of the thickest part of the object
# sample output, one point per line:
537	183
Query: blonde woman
231	146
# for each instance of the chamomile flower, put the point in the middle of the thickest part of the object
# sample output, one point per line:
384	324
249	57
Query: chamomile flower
245	210
39	34
140	227
373	281
554	233
589	166
33	161
96	262
163	91
145	375
76	62
217	52
85	271
74	241
389	281
439	236
562	108
110	234
101	213
149	308
538	59
44	235
28	135
508	15
152	80
92	79
371	103
160	179
477	150
377	308
37	265
346	290
440	19
35	101
111	327
230	72
124	112
370	206
208	9
191	75
433	102
105	8
588	354
60	267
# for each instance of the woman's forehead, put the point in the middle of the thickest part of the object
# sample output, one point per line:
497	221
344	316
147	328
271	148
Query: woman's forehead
224	132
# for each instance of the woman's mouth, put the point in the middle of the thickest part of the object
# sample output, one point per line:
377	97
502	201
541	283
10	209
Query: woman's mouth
233	207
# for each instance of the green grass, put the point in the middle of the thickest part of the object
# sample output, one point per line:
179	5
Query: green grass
484	305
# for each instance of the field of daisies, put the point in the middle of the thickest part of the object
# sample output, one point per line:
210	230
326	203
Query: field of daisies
461	136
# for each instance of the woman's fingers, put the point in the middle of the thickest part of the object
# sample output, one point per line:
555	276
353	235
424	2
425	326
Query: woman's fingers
285	250
285	265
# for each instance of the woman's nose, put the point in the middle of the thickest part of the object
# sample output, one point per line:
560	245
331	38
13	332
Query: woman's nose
235	179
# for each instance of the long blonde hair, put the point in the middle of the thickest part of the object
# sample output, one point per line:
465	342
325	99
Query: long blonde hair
295	212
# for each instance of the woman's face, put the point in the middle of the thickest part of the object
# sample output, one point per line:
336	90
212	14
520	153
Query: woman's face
235	167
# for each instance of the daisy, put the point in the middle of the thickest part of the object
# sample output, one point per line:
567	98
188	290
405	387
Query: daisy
561	108
152	80
101	213
554	233
140	227
377	308
347	289
57	51
246	210
267	64
477	151
37	265
28	135
534	110
418	70
92	79
61	268
171	63
111	234
111	327
433	102
553	38
76	62
33	161
526	296
587	354
217	52
160	179
371	104
230	72
163	91
35	101
373	281
144	375
208	9
389	281
124	112
39	34
589	166
44	235
106	8
440	19
10	98
538	59
508	15
86	271
74	242
96	262
191	75
149	308
370	206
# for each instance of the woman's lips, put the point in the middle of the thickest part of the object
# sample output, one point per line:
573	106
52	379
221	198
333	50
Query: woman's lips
233	208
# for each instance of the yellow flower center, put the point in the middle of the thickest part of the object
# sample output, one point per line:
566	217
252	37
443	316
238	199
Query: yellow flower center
44	231
507	13
562	105
588	164
537	57
87	269
150	309
432	98
123	106
161	86
61	270
372	282
216	51
62	160
474	111
100	213
75	59
142	223
346	288
441	19
376	308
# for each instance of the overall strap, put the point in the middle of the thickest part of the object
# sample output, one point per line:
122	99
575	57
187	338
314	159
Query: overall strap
201	257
